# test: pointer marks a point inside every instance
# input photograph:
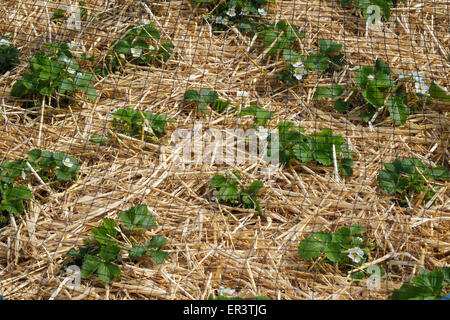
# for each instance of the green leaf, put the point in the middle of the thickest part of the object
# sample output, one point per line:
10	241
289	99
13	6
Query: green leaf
209	96
157	242
158	256
440	173
90	265
355	229
137	251
383	81
317	62
328	92
397	109
218	181
412	292
122	47
374	96
138	217
106	233
333	252
108	272
341	105
437	92
228	193
63	175
255	187
110	252
312	246
341	236
381	67
192	95
96	138
327	46
34	154
361	76
18	193
291	56
91	92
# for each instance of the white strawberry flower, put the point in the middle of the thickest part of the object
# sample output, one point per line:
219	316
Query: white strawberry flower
71	70
421	87
370	77
262	12
147	129
300	71
262	133
298	64
356	254
245	11
214	195
73	45
225	20
136	52
4	42
67	163
226	291
243	94
231	12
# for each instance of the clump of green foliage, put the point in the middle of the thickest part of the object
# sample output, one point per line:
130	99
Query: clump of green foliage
363	6
317	147
345	247
54	73
230	193
141	45
53	168
136	124
261	115
404	179
101	254
427	285
203	98
9	55
246	15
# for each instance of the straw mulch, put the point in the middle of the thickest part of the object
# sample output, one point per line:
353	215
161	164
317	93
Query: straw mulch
211	246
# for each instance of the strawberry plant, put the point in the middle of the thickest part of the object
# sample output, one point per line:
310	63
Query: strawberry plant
404	179
364	6
246	15
427	285
205	97
52	168
345	247
9	55
141	45
230	193
101	254
318	147
261	115
54	74
136	124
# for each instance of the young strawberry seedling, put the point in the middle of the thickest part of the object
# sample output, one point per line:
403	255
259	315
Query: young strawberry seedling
246	15
54	169
140	45
230	193
9	55
54	74
101	254
205	97
318	147
137	124
409	178
344	247
428	285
